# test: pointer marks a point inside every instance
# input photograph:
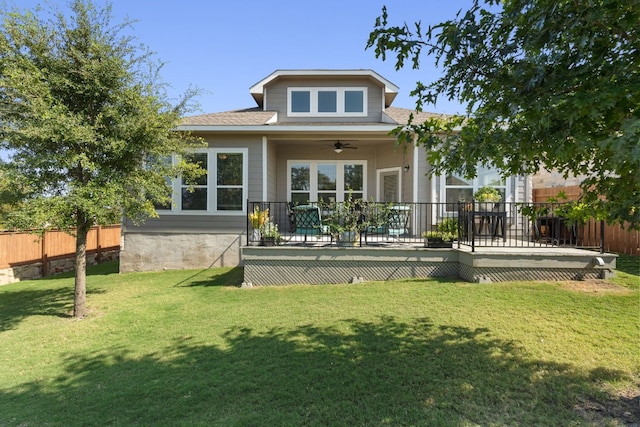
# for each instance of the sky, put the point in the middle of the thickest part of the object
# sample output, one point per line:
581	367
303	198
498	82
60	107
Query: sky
224	47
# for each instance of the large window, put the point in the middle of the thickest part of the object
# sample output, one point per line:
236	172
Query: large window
460	189
221	189
326	180
327	101
194	194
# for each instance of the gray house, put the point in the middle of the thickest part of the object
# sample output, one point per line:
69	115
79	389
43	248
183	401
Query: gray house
314	134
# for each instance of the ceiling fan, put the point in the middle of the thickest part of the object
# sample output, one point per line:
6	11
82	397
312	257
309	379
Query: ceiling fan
339	146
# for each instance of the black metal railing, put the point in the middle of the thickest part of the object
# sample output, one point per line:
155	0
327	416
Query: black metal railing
475	224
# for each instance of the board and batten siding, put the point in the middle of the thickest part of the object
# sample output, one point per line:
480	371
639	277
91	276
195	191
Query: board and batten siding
276	99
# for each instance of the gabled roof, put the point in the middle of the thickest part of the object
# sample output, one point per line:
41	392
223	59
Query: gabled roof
390	89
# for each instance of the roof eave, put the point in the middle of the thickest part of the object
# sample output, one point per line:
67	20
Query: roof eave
384	128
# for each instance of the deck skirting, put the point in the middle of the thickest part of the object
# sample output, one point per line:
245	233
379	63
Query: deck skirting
279	265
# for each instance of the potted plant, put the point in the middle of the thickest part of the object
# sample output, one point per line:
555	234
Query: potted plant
257	218
438	239
486	198
270	236
377	217
344	219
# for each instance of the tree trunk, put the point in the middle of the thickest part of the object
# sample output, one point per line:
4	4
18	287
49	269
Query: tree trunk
80	297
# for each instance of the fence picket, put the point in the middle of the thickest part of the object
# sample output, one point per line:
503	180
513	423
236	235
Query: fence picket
26	248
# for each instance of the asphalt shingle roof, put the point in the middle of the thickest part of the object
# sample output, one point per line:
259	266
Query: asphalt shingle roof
257	117
247	117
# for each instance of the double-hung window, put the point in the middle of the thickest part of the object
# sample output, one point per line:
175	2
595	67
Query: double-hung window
327	101
221	189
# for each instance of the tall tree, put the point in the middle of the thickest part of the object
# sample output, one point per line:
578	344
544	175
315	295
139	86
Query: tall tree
548	83
85	115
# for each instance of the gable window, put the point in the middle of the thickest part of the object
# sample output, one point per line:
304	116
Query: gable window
300	101
327	101
221	189
310	181
353	101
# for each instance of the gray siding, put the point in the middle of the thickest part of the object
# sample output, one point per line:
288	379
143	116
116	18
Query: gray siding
276	99
191	223
272	174
172	223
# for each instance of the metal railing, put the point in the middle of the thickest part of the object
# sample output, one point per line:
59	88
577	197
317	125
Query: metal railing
475	224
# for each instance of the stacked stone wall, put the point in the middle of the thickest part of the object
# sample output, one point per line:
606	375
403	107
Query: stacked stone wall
37	270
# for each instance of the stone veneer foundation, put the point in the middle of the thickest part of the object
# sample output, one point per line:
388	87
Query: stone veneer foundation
155	252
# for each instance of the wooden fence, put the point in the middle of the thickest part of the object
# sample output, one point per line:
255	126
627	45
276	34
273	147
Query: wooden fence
616	238
23	248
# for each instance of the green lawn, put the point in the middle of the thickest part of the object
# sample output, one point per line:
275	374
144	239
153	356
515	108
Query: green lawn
191	348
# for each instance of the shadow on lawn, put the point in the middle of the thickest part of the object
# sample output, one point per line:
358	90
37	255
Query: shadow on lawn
215	277
353	373
17	305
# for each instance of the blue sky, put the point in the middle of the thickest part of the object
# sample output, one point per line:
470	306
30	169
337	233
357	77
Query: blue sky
224	47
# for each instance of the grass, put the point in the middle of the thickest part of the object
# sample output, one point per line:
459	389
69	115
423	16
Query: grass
191	348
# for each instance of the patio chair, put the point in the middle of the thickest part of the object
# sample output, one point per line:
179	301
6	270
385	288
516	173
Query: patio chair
398	220
307	220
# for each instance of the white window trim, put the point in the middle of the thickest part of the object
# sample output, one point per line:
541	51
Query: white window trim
379	189
509	195
313	179
212	154
313	91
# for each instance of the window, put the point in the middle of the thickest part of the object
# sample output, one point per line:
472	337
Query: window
328	181
349	102
353	101
229	181
327	101
459	189
166	161
300	101
221	189
194	193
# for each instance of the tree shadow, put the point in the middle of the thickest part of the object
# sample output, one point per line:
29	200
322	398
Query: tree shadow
19	304
629	264
215	277
15	306
383	372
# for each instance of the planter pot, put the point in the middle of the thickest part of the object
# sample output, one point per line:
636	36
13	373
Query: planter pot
268	241
255	237
347	237
437	243
484	206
